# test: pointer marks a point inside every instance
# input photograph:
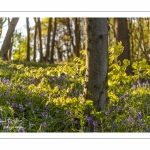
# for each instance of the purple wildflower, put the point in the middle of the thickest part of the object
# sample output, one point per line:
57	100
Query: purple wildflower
1	121
20	129
95	123
119	108
109	111
21	107
44	114
130	119
76	122
9	122
89	119
44	124
12	97
14	105
68	112
139	115
5	128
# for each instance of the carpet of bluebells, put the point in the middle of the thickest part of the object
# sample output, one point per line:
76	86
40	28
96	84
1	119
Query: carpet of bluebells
38	97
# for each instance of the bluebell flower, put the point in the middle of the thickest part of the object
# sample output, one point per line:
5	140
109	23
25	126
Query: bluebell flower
21	107
12	97
76	122
9	122
1	121
109	111
119	108
68	112
130	119
5	128
44	114
95	123
44	124
89	119
14	105
148	130
138	115
21	129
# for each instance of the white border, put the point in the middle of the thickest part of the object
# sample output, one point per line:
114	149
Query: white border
74	5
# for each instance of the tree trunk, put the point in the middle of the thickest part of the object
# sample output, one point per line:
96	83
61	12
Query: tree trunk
97	61
71	37
28	39
121	34
48	38
53	42
35	36
39	38
8	38
77	36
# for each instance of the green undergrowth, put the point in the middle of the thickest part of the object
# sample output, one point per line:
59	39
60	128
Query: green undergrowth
38	97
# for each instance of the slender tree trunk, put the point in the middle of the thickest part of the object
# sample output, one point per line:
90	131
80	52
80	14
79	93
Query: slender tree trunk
28	39
35	36
71	37
121	34
149	36
77	36
53	42
6	46
48	38
97	61
39	38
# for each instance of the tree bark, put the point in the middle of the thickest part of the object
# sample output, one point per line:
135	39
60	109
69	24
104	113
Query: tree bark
96	61
35	36
28	39
48	38
53	42
121	34
71	37
39	38
77	37
6	46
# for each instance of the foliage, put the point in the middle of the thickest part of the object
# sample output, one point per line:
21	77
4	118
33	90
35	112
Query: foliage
43	98
20	47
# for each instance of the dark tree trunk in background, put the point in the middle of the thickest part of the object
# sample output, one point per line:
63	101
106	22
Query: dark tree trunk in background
28	39
121	34
70	34
35	36
97	61
48	38
39	38
7	44
53	42
77	36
